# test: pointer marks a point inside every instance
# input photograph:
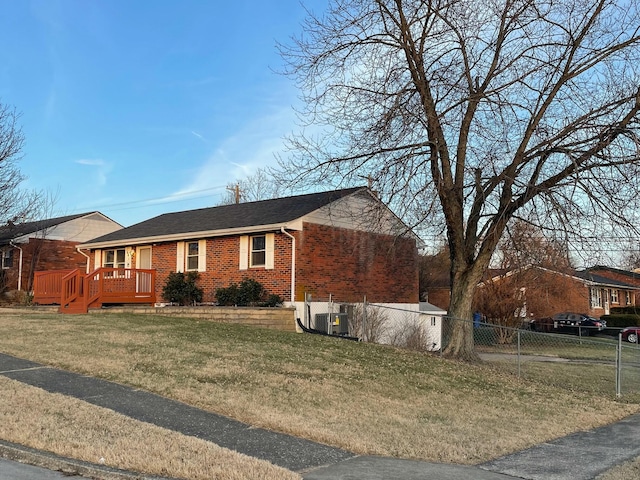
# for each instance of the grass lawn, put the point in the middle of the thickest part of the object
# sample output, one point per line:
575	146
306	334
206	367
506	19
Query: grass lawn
365	398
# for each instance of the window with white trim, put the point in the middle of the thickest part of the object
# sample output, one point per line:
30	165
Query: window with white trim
258	251
628	297
115	258
7	258
191	256
614	296
596	297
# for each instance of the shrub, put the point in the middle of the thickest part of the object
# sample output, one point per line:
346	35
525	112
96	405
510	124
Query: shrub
227	296
273	300
249	292
182	289
621	320
628	310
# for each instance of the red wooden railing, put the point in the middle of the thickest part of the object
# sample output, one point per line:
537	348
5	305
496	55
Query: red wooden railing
47	286
76	292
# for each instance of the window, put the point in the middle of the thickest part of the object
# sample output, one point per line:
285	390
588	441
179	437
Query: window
614	296
628	297
258	251
114	258
192	256
433	321
596	297
7	258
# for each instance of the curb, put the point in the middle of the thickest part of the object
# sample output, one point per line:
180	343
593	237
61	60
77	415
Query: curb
67	466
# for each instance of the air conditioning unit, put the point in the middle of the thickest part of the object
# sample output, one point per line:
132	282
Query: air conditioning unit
339	323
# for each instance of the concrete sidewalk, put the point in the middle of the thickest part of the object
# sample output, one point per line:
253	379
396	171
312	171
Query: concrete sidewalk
579	456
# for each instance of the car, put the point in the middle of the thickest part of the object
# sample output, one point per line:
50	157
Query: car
630	334
568	322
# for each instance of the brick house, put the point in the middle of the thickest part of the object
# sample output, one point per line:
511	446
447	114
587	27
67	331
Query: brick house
625	276
344	243
48	244
546	292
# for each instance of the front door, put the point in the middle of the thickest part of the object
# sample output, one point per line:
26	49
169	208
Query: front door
143	261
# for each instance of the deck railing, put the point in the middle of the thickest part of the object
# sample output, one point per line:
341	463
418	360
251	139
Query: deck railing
75	291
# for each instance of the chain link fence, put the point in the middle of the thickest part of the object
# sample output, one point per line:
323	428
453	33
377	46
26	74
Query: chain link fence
578	359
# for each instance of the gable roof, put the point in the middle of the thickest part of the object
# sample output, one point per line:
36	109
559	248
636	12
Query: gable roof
633	275
584	276
605	281
12	230
250	216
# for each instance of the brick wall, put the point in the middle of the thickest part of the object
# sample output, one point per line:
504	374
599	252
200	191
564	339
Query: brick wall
631	278
42	254
223	258
350	264
337	261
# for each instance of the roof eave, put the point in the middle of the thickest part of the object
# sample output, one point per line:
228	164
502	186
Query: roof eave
190	235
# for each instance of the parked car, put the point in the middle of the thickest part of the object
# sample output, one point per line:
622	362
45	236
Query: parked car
568	322
630	334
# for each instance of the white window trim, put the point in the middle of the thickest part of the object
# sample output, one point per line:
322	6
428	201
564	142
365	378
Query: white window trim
245	252
596	297
6	254
181	256
615	296
252	251
127	258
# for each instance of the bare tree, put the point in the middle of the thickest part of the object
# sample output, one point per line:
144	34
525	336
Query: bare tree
525	245
15	204
259	186
470	113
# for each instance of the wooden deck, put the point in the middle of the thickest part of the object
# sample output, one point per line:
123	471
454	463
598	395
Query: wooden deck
76	292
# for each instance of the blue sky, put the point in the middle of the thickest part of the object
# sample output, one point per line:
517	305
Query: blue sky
140	107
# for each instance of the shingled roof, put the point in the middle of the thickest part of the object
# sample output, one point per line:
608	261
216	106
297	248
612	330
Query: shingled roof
11	230
278	211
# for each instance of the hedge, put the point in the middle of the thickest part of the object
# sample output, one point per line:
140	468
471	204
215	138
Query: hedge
621	320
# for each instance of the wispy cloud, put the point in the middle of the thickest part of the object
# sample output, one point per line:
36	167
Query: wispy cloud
196	134
240	155
101	171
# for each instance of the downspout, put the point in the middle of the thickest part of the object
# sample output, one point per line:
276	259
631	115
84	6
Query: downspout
293	263
19	264
88	258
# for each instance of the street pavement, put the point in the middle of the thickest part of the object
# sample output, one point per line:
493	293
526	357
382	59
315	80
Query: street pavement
580	456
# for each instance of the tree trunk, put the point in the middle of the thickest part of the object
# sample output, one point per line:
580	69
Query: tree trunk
460	321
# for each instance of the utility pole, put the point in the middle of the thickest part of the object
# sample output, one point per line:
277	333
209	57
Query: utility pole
236	192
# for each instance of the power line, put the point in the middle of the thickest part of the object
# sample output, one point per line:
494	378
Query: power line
152	201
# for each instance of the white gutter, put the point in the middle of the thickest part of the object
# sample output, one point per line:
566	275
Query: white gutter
187	235
293	263
19	264
88	258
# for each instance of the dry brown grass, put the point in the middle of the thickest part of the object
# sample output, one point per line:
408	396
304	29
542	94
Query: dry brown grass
365	398
75	429
627	471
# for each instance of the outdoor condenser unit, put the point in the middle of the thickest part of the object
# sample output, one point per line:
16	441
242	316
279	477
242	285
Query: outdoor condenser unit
339	322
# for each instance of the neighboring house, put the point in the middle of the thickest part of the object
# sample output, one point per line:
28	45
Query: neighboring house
545	292
345	243
49	244
625	276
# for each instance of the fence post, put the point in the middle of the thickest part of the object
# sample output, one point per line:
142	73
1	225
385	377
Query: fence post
518	353
364	319
619	367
